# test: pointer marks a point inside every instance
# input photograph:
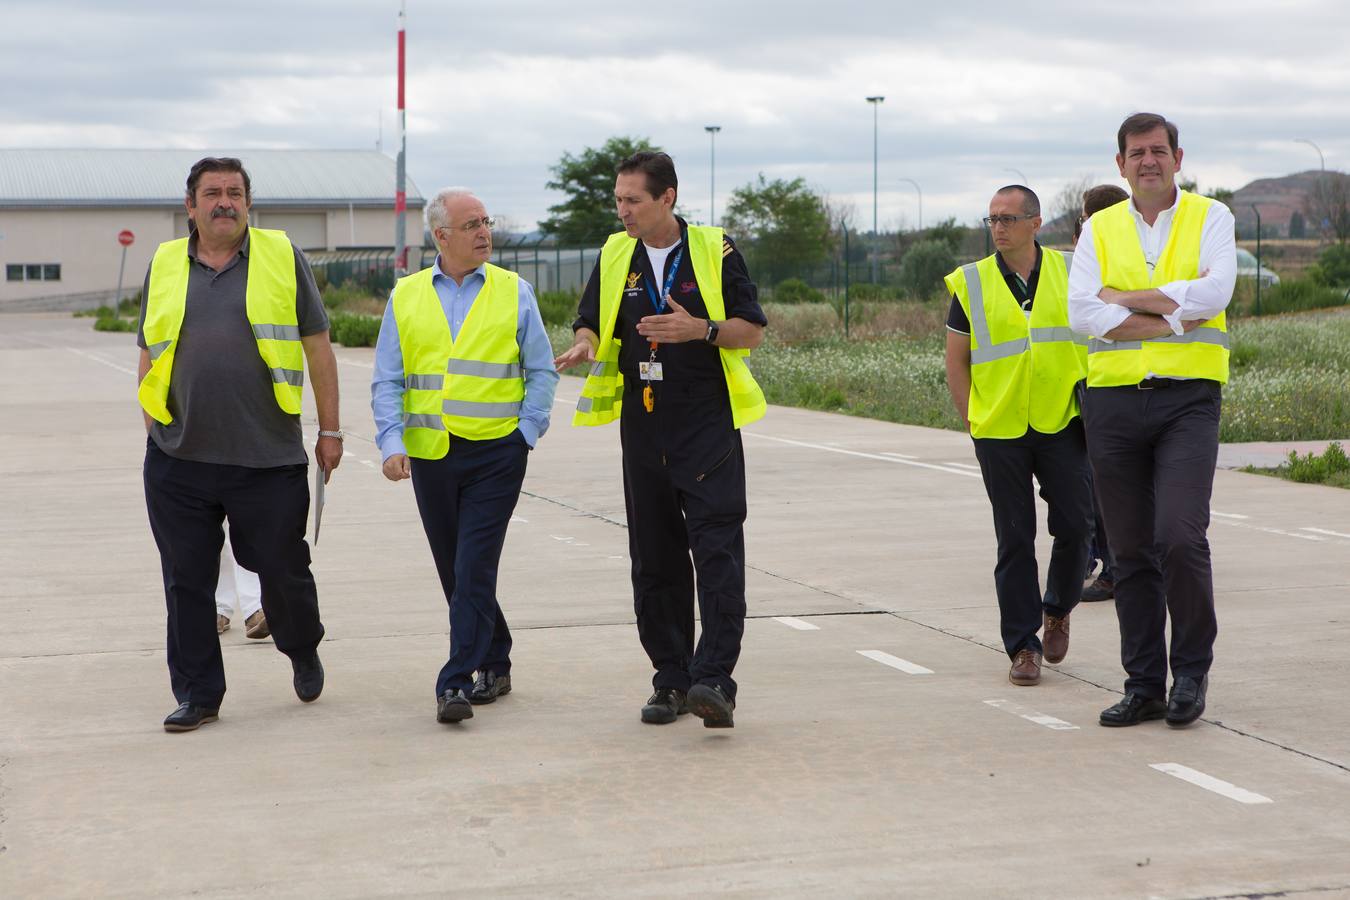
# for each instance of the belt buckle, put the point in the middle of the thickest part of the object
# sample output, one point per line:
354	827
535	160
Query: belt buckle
1145	386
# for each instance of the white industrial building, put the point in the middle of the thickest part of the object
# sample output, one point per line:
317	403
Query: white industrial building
61	212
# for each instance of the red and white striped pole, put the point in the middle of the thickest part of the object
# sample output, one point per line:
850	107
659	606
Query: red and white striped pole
400	187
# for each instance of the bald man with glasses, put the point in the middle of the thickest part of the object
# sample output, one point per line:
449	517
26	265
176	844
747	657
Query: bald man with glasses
1012	367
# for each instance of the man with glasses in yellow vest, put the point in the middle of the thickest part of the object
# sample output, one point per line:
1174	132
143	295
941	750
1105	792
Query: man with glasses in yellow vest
665	322
1012	368
462	389
231	316
1151	279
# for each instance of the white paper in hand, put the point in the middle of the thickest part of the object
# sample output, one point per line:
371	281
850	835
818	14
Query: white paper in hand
318	501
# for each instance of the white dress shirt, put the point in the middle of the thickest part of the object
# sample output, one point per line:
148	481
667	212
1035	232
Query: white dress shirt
1203	298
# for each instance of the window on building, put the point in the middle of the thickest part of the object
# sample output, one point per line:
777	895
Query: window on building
32	271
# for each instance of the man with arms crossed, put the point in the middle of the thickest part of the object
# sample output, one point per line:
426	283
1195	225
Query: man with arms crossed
1151	279
1012	368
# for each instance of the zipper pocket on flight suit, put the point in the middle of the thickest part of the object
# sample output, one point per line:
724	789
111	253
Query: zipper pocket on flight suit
717	464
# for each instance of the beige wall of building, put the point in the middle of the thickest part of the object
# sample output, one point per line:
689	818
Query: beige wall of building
83	242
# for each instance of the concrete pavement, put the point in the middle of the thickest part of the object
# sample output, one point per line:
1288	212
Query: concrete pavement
879	749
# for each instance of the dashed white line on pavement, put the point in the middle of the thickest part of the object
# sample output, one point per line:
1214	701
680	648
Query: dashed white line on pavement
1031	715
895	662
796	623
357	363
898	455
1292	534
1210	783
520	519
1214	512
964	465
890	459
1339	534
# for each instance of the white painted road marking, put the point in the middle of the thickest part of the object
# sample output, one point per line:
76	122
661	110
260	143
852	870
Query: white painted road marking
1227	515
798	624
897	455
964	465
896	662
1031	715
1210	783
890	459
1339	534
1292	534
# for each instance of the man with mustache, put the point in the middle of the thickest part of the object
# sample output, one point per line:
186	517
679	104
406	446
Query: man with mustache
462	390
672	371
1151	279
230	318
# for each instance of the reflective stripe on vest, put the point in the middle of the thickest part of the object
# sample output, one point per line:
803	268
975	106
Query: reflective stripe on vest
269	305
471	385
1022	370
1200	353
601	398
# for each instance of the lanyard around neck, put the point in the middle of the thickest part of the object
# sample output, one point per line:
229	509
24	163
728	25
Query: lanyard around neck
659	303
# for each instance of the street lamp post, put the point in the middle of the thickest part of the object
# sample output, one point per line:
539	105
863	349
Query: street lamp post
920	190
1021	178
1321	161
712	169
876	103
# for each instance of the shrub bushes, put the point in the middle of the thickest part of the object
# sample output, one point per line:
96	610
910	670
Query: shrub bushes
353	331
924	267
1332	268
558	307
1313	469
339	296
794	290
1297	295
112	323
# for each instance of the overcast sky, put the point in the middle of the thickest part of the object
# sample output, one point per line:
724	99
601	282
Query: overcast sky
498	90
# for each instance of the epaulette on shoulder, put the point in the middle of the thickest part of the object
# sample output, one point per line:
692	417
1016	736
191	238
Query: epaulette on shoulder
726	247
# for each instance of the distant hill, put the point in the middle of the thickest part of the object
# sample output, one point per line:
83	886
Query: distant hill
1277	199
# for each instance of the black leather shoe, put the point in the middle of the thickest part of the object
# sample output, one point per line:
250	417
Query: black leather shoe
453	706
1186	702
1132	710
189	718
664	706
308	677
489	687
1099	590
712	705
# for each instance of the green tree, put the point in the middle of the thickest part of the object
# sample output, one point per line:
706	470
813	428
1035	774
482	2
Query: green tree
782	227
586	217
924	267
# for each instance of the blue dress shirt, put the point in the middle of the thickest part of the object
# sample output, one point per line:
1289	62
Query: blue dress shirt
536	359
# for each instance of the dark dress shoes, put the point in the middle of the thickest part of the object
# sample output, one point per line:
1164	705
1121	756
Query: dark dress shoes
188	717
1187	701
453	706
1132	710
711	704
308	676
489	687
664	706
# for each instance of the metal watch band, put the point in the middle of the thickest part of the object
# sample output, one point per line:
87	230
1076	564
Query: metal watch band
331	434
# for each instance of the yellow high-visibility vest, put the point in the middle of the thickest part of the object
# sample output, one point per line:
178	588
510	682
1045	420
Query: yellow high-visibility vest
602	394
270	306
1022	369
471	385
1201	353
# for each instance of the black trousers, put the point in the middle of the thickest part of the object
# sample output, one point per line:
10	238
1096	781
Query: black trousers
188	502
1059	463
1153	453
466	499
684	489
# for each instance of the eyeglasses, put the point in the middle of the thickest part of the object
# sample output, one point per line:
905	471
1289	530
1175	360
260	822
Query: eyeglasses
472	225
1008	221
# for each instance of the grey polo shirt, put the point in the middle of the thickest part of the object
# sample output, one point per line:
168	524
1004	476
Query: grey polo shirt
220	392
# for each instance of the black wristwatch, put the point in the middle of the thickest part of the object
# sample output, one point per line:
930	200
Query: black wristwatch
711	336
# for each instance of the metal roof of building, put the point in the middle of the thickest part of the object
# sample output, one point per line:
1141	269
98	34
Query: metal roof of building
101	177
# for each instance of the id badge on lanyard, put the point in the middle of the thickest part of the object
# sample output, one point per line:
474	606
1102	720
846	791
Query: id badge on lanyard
650	370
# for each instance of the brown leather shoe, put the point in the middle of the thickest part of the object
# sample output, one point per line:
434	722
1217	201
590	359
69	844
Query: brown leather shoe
1026	668
222	624
255	626
1055	638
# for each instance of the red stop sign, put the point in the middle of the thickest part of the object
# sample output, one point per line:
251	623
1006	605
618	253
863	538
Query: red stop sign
125	237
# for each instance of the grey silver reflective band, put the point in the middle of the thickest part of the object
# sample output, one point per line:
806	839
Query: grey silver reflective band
155	350
595	404
483	369
975	292
293	377
604	368
424	382
1048	335
999	351
277	332
418	420
1198	336
471	410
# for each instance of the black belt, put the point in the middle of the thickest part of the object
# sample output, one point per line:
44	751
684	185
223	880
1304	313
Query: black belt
1153	384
